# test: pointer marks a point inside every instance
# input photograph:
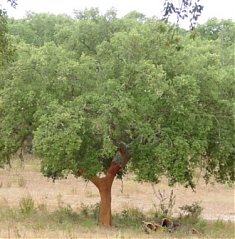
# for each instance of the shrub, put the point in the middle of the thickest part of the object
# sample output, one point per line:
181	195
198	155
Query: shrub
65	216
193	211
26	205
90	210
130	217
190	216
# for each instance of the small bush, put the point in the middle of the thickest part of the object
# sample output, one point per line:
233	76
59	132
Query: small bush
200	225
192	211
130	217
190	217
90	210
26	205
65	215
84	210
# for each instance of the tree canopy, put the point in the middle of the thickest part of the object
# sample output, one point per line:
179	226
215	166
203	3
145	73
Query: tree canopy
96	91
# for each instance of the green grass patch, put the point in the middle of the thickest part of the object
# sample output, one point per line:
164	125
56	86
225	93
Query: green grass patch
129	218
220	229
126	223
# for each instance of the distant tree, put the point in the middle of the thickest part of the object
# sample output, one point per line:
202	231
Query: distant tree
6	49
37	29
3	38
214	29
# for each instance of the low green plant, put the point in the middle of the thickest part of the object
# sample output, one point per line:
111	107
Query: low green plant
221	229
84	210
129	217
190	218
65	214
91	211
26	205
191	211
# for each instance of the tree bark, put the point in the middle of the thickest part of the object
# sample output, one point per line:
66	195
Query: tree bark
105	217
104	186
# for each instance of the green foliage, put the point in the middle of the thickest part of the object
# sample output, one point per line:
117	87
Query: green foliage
190	217
130	218
90	211
221	228
37	29
193	210
26	205
65	214
82	86
6	49
55	128
215	29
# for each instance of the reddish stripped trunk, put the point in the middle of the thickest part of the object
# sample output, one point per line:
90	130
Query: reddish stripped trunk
105	217
104	186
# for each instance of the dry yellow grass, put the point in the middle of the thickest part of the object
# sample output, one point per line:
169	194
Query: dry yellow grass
27	181
14	230
217	200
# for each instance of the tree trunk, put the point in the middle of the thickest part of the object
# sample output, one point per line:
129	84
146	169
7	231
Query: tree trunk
104	186
105	217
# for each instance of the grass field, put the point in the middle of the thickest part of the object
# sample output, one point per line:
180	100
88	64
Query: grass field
32	206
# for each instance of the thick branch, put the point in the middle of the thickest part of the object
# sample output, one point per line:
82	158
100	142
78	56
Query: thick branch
123	155
108	178
95	179
113	170
118	163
